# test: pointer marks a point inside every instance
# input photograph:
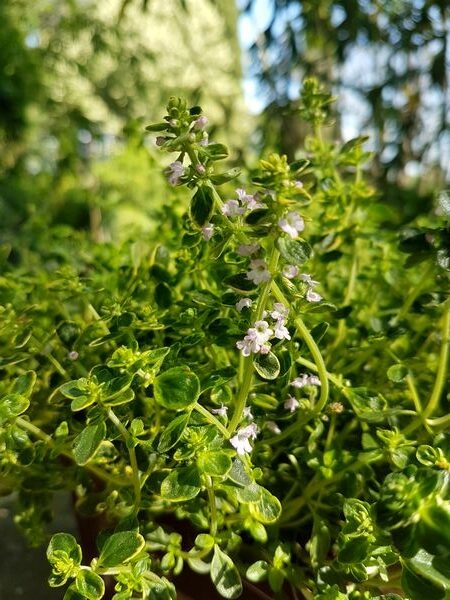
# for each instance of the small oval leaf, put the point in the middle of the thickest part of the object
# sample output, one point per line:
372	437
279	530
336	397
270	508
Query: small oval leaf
177	388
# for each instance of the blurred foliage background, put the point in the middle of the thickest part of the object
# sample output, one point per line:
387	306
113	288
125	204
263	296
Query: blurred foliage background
80	79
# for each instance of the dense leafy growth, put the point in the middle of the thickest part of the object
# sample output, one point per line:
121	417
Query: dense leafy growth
258	394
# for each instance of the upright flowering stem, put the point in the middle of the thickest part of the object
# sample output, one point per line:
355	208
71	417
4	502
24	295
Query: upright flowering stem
313	348
246	364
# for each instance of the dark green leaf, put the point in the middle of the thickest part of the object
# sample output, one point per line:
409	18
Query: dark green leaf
295	252
173	432
177	388
87	443
267	365
181	484
90	585
120	548
224	575
202	205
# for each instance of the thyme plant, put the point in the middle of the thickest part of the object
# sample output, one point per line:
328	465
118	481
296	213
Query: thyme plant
258	395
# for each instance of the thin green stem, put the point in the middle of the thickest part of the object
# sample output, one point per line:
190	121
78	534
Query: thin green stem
41	435
246	362
129	442
212	419
313	348
441	375
413	391
212	506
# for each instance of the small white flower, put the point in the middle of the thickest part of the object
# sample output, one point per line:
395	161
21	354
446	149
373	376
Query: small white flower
241	440
200	169
247	249
281	332
207	231
308	280
279	312
243	303
258	271
312	296
250	202
241	444
205	140
222	411
298	184
314	380
248	346
73	355
290	271
247	413
231	208
292	224
174	172
250	431
261	332
273	427
265	349
291	404
305	379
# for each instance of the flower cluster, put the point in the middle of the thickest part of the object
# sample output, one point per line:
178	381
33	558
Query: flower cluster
257	338
292	224
244	203
305	379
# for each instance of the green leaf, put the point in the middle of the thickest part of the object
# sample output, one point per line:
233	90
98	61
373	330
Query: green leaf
121	547
426	576
267	509
267	365
163	295
295	252
177	388
250	493
240	281
224	575
173	432
87	443
257	571
320	542
13	405
433	529
397	373
221	178
215	151
121	398
369	406
202	204
238	473
24	384
215	464
163	126
64	542
73	594
181	484
90	585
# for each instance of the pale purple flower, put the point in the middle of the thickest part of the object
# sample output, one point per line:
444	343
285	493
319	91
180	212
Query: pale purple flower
273	427
281	332
312	296
264	349
243	303
231	208
207	231
200	169
174	172
250	202
73	355
247	413
248	346
290	271
205	140
292	224
247	249
291	404
305	379
279	312
308	280
258	271
222	411
160	140
200	123
298	184
241	440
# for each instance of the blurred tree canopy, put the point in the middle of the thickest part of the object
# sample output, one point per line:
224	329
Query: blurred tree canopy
386	59
78	81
